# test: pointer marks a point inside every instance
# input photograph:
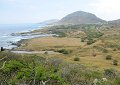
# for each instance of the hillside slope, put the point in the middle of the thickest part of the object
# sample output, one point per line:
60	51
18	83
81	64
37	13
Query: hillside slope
81	17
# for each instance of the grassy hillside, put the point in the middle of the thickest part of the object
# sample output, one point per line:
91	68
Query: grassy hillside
90	43
87	54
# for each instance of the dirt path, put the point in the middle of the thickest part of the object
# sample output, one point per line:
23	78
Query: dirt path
35	52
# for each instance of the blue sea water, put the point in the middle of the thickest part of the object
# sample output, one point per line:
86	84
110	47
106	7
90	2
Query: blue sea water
7	29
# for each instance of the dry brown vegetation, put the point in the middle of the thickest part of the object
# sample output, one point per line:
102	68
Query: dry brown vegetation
51	43
92	55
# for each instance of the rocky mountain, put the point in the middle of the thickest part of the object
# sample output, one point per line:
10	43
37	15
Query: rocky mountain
81	17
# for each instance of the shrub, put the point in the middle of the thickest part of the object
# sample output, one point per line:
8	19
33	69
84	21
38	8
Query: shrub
110	73
93	34
90	41
114	49
54	61
105	51
108	57
46	52
64	51
76	59
10	55
13	66
83	39
115	62
60	33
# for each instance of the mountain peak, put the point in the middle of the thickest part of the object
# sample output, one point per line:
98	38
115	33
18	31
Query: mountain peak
80	17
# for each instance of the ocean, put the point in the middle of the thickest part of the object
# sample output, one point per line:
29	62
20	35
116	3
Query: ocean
7	29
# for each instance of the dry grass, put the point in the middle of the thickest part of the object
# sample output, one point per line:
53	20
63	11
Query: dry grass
49	43
81	50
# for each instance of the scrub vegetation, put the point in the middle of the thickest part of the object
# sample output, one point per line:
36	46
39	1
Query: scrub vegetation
87	55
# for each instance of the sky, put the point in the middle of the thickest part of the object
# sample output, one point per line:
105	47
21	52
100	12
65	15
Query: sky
35	11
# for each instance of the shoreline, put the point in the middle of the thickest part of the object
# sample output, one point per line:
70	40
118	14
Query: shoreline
20	42
10	38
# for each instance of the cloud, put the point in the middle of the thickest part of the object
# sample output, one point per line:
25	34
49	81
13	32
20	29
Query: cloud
107	5
109	9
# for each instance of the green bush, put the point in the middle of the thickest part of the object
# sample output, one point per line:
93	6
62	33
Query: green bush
108	57
13	66
110	73
64	51
76	59
94	34
60	33
90	41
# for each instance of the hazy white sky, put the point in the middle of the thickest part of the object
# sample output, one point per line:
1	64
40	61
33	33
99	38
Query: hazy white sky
27	11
